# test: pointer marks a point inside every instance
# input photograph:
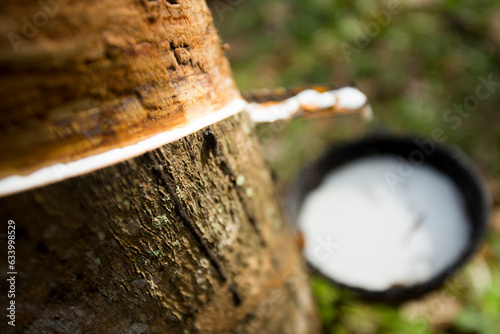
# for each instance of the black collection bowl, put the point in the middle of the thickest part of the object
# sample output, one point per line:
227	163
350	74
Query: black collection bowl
451	162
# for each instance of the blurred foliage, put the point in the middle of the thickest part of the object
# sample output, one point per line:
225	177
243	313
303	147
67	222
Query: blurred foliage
415	64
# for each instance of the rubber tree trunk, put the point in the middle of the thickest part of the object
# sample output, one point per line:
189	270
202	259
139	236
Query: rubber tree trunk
184	238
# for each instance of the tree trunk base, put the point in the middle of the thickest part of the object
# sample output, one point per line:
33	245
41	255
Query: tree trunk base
186	238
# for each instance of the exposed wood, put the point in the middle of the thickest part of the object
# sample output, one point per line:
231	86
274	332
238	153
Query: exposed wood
102	74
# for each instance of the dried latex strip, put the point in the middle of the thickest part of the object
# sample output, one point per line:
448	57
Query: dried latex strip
263	106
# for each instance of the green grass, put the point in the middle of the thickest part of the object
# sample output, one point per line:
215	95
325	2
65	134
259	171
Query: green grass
414	69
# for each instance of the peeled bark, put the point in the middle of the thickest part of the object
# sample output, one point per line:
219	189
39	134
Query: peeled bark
103	74
185	238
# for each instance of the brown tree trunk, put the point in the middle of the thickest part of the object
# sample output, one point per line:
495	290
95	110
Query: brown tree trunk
184	238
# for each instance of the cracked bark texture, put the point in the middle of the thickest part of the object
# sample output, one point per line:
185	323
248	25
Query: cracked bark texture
187	238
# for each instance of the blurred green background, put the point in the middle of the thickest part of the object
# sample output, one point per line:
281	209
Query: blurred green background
416	60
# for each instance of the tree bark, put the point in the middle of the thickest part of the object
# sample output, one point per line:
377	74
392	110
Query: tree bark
103	74
185	238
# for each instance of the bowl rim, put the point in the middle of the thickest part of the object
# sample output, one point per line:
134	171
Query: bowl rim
478	200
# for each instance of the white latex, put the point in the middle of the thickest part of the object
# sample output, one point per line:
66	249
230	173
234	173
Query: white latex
16	183
343	98
368	228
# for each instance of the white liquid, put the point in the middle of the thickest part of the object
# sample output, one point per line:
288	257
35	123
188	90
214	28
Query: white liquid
61	171
348	98
368	228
